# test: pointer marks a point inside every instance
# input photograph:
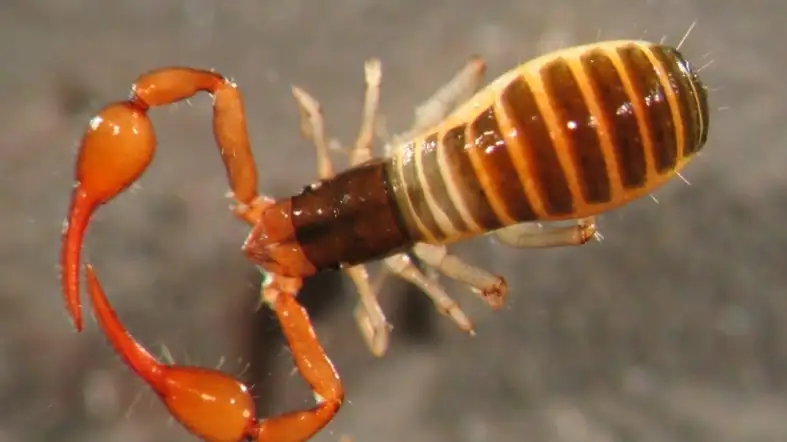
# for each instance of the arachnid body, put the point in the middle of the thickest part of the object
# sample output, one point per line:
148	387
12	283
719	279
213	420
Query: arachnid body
566	136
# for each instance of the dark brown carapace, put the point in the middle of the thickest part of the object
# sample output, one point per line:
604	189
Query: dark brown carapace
566	136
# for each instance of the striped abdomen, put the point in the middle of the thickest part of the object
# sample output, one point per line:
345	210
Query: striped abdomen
568	135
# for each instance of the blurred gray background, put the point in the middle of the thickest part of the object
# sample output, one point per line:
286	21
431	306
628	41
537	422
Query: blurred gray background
671	329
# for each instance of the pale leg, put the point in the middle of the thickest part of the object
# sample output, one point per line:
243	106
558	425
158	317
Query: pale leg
362	151
434	109
458	90
369	315
526	235
429	113
492	288
532	235
401	266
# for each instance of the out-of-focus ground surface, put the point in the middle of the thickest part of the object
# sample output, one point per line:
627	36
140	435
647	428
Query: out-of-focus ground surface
671	329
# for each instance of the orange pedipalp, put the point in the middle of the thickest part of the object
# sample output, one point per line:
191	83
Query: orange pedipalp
115	150
211	404
76	223
119	144
142	362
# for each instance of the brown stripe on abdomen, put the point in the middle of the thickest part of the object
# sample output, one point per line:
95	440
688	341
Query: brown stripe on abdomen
701	95
690	105
650	94
464	177
349	219
501	177
688	121
533	138
410	162
436	186
617	110
694	88
577	130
